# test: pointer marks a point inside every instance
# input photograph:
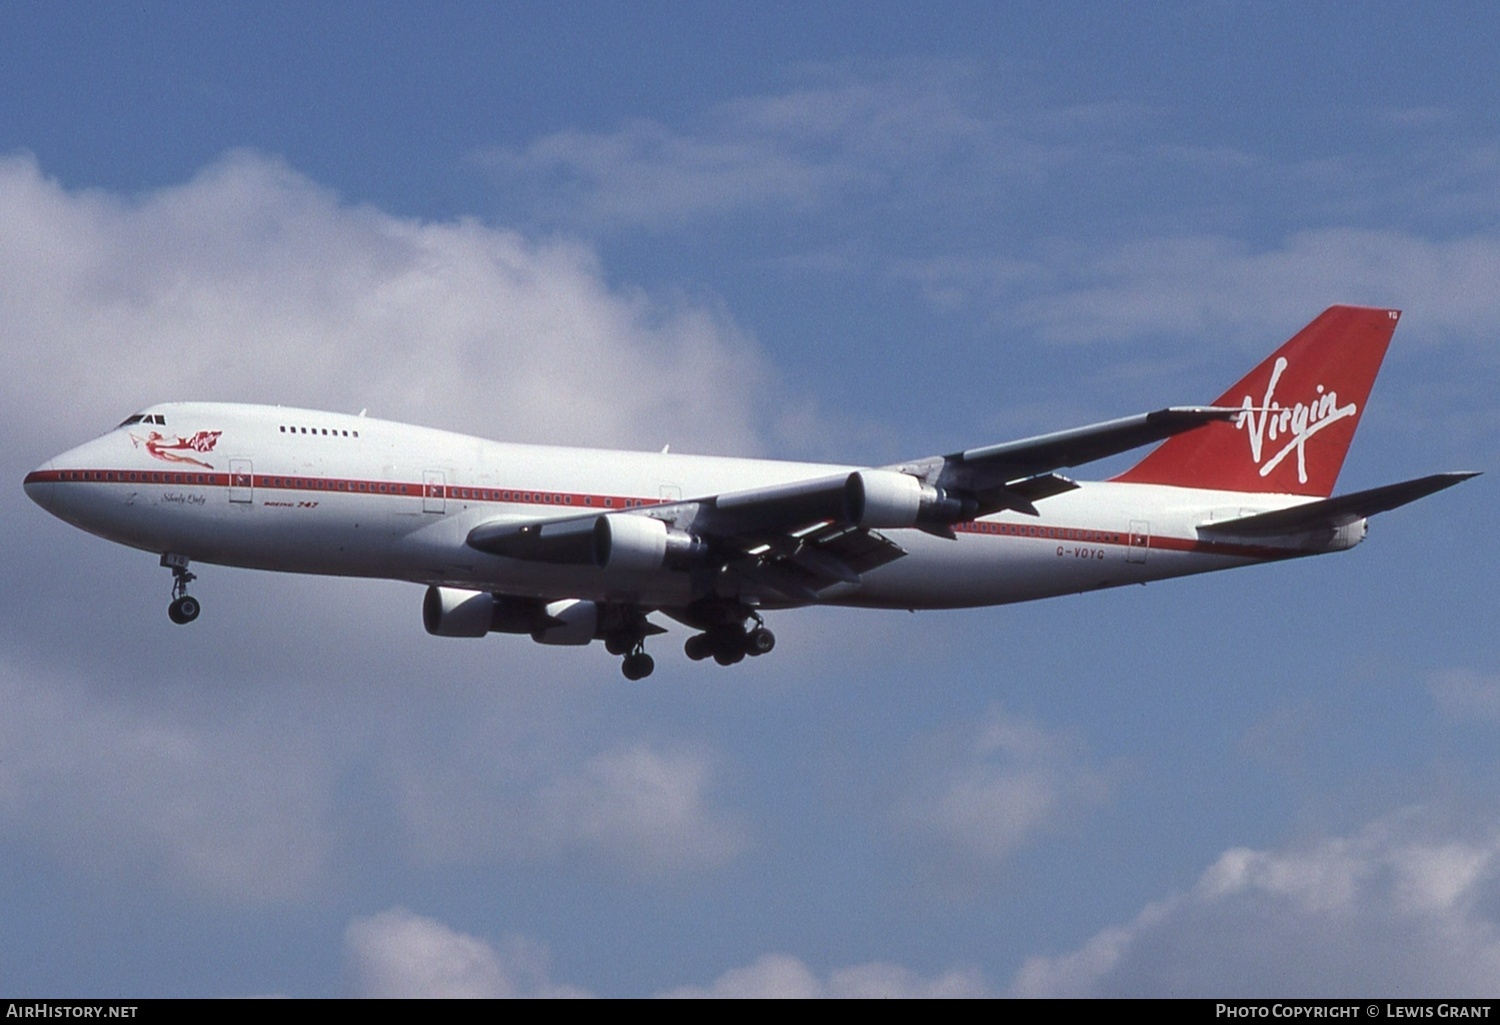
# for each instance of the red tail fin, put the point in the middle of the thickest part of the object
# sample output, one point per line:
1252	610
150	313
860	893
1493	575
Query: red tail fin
1299	411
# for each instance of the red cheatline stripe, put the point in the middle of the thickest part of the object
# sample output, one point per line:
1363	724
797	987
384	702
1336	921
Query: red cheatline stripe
582	501
1082	536
346	485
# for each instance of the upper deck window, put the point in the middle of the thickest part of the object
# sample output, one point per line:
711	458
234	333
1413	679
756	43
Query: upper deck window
321	432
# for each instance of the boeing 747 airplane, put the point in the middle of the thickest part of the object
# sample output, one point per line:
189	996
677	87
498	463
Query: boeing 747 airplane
575	545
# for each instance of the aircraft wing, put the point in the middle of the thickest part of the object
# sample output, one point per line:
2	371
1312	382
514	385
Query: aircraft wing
793	539
804	536
939	490
1009	461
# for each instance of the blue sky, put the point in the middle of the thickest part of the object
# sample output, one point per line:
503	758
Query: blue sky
846	232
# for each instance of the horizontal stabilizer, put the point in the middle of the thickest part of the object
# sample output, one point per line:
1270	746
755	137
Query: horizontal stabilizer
1337	512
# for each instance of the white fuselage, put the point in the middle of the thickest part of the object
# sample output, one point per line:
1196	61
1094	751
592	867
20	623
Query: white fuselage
311	492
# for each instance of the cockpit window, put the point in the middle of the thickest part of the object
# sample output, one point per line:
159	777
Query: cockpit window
143	418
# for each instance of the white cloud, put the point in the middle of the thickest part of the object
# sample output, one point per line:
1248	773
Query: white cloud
1467	695
498	791
270	794
1196	285
781	976
400	954
647	809
397	954
644	172
197	803
1218	288
252	283
976	796
1401	907
840	135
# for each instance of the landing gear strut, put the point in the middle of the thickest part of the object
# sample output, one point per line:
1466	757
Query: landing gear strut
184	607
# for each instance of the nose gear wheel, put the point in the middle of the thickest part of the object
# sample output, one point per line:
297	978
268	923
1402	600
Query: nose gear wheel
184	607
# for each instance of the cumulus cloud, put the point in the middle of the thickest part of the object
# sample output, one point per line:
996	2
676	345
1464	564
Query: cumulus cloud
647	808
252	283
269	797
397	954
631	809
400	954
1403	907
977	795
782	976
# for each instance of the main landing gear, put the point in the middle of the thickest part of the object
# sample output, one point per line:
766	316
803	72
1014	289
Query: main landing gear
184	607
729	644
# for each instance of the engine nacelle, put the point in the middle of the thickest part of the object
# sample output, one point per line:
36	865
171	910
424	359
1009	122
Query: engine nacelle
883	498
452	612
569	621
642	544
455	612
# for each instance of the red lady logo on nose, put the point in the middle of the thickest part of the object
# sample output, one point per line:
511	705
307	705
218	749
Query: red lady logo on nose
173	451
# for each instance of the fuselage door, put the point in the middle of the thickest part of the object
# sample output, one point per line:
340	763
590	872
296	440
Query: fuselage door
434	491
241	480
1140	541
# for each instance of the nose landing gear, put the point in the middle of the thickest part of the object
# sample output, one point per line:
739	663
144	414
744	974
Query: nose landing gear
184	608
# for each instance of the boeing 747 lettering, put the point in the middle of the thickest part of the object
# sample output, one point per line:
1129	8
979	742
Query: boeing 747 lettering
576	545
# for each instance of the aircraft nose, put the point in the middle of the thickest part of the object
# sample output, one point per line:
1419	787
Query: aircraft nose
41	485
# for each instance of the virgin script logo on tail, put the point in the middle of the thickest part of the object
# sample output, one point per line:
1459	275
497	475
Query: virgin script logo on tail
1296	423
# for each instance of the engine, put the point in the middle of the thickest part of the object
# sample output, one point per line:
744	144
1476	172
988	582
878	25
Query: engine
450	612
641	544
885	498
569	621
619	542
455	612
